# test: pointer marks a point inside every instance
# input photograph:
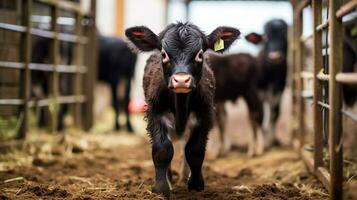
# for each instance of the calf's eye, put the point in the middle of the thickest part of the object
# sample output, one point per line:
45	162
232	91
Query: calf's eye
165	57
199	56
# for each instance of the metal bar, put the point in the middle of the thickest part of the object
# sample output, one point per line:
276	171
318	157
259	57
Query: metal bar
335	101
317	114
303	4
346	8
45	67
65	5
44	33
72	69
324	105
347	78
307	75
25	75
305	38
12	27
322	26
42	67
13	65
91	62
307	94
71	99
322	76
14	102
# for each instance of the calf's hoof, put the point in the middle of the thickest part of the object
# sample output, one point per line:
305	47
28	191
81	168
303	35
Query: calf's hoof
251	151
260	150
117	127
162	188
129	128
222	152
196	183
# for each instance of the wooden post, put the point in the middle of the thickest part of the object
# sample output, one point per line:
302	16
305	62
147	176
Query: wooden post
299	82
91	75
53	107
293	78
119	28
26	20
317	111
78	56
335	101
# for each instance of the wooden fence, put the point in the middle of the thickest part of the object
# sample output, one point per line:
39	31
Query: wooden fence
82	69
327	77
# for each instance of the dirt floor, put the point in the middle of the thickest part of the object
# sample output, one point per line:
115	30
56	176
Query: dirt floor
119	166
107	165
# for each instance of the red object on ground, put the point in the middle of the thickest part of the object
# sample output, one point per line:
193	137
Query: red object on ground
137	105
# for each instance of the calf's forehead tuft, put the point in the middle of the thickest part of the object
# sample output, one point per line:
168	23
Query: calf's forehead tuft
183	37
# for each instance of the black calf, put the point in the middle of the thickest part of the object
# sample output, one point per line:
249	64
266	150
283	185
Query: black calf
272	71
116	62
179	85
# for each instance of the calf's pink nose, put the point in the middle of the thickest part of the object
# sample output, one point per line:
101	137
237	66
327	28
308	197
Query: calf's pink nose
181	81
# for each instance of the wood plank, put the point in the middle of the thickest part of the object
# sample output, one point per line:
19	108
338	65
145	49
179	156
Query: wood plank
90	76
303	4
26	76
55	57
77	85
346	8
317	65
335	101
347	78
323	175
119	25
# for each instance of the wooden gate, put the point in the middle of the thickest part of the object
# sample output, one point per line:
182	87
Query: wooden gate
327	77
20	29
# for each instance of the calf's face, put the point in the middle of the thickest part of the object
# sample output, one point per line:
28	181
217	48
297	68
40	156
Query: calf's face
182	46
274	41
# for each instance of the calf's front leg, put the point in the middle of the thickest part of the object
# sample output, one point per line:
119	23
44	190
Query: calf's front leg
195	153
162	153
255	107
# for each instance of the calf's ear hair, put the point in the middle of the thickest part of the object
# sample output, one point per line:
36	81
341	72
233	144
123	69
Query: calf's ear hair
225	33
143	38
254	38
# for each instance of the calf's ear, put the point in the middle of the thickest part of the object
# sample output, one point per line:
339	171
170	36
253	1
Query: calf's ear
222	37
143	38
254	38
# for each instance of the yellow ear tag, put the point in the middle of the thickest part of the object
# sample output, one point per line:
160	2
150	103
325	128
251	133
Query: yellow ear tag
219	45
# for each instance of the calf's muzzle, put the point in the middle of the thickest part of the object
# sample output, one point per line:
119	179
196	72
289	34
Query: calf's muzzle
181	83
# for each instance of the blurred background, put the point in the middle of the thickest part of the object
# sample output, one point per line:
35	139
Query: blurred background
113	17
65	68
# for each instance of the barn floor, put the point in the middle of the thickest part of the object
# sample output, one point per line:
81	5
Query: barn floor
116	165
119	166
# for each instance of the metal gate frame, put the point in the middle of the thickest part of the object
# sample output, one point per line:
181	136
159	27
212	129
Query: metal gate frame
78	69
332	178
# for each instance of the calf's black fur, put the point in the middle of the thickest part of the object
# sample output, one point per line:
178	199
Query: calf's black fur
178	85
